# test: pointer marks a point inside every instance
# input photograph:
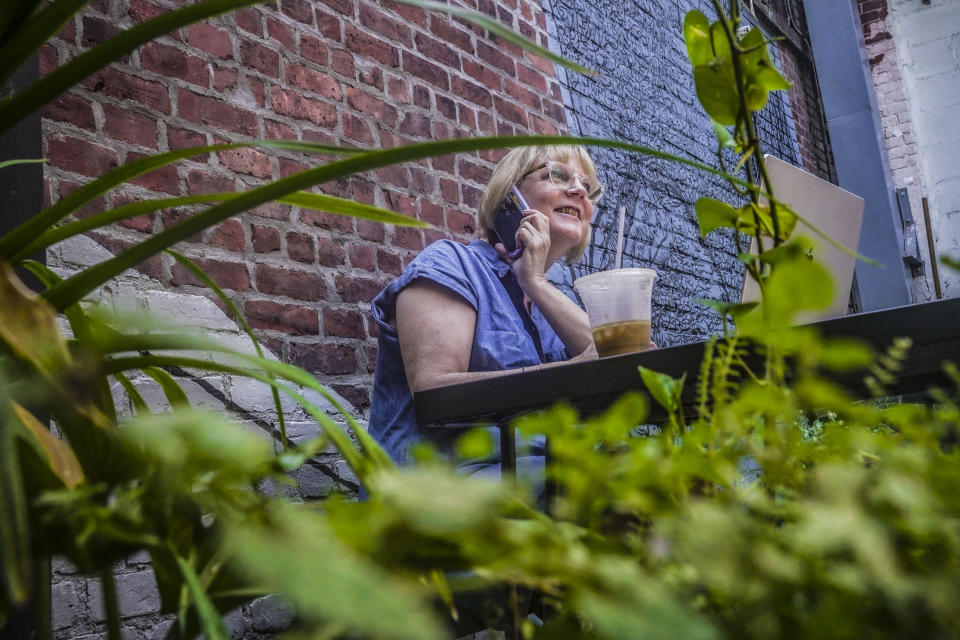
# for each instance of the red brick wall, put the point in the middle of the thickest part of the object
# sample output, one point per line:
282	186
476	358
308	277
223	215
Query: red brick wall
349	72
807	110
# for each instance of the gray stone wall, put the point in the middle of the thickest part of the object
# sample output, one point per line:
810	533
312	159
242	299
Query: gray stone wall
644	93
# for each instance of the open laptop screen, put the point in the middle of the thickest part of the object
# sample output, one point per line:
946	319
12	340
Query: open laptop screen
836	212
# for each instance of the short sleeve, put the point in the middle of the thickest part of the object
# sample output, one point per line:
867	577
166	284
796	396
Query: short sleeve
444	262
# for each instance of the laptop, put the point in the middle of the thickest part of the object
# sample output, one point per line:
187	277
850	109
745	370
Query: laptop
836	212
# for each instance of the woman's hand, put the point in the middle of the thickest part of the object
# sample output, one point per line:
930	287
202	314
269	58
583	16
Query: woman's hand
531	267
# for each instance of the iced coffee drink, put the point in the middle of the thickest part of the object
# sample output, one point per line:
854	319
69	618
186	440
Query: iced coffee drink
618	305
617	338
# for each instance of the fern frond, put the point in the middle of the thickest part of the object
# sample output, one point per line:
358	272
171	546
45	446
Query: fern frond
703	381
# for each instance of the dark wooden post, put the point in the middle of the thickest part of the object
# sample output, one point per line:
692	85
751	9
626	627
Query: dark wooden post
21	196
21	186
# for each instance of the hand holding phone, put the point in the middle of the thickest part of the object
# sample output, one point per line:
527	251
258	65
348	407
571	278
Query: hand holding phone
506	220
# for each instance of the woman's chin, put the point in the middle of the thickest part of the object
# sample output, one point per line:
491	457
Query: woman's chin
566	241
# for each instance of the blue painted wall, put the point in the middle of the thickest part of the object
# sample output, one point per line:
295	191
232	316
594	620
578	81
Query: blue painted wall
645	94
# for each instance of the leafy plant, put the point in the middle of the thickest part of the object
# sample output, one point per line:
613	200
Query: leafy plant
786	507
177	485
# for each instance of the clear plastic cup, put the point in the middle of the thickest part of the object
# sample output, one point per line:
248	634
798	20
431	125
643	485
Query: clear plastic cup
618	305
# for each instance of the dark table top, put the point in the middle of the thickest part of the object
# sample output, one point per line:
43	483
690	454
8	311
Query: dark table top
592	386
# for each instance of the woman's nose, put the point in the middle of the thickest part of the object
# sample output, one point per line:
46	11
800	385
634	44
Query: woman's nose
577	187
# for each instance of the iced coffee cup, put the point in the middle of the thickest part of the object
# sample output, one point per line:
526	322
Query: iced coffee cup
618	305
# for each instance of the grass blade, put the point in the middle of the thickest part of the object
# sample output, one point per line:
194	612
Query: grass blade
361	466
344	207
17	107
13	13
332	204
210	621
174	393
36	225
9	163
192	267
139	405
83	283
83	328
30	36
14	531
55	453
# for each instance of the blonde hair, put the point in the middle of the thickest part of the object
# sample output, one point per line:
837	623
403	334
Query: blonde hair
514	166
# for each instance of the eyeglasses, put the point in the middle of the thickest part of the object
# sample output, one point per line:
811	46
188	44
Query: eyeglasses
563	176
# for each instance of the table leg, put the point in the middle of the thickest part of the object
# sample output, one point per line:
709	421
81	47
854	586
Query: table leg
508	470
508	450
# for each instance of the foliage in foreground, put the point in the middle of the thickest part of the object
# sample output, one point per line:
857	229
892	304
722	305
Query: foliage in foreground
847	523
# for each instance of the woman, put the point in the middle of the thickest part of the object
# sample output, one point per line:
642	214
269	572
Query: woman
460	313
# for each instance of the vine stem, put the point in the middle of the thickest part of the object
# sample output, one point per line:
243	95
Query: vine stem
736	51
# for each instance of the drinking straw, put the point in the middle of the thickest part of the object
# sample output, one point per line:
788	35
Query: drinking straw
623	214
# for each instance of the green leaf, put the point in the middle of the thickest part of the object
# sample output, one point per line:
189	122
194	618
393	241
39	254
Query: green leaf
760	75
717	90
82	328
361	466
797	285
14	530
86	281
174	393
27	232
733	309
664	389
28	331
846	354
750	214
10	163
794	249
13	14
476	443
17	107
724	137
660	618
29	37
192	267
435	502
344	207
55	453
713	214
169	578
331	204
188	444
298	546
696	35
210	621
139	405
719	40
950	262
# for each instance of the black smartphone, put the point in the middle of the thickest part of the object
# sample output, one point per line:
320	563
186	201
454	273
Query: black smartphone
507	219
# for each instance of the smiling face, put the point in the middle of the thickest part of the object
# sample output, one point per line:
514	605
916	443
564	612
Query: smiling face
568	209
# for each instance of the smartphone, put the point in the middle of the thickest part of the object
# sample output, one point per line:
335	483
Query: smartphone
507	219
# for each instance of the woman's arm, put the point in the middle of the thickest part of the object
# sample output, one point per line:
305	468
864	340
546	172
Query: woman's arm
435	328
569	321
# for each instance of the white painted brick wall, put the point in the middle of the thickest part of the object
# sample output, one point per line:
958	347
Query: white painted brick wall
78	600
896	120
926	44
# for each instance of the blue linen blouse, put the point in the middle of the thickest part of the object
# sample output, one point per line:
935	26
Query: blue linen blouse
506	337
